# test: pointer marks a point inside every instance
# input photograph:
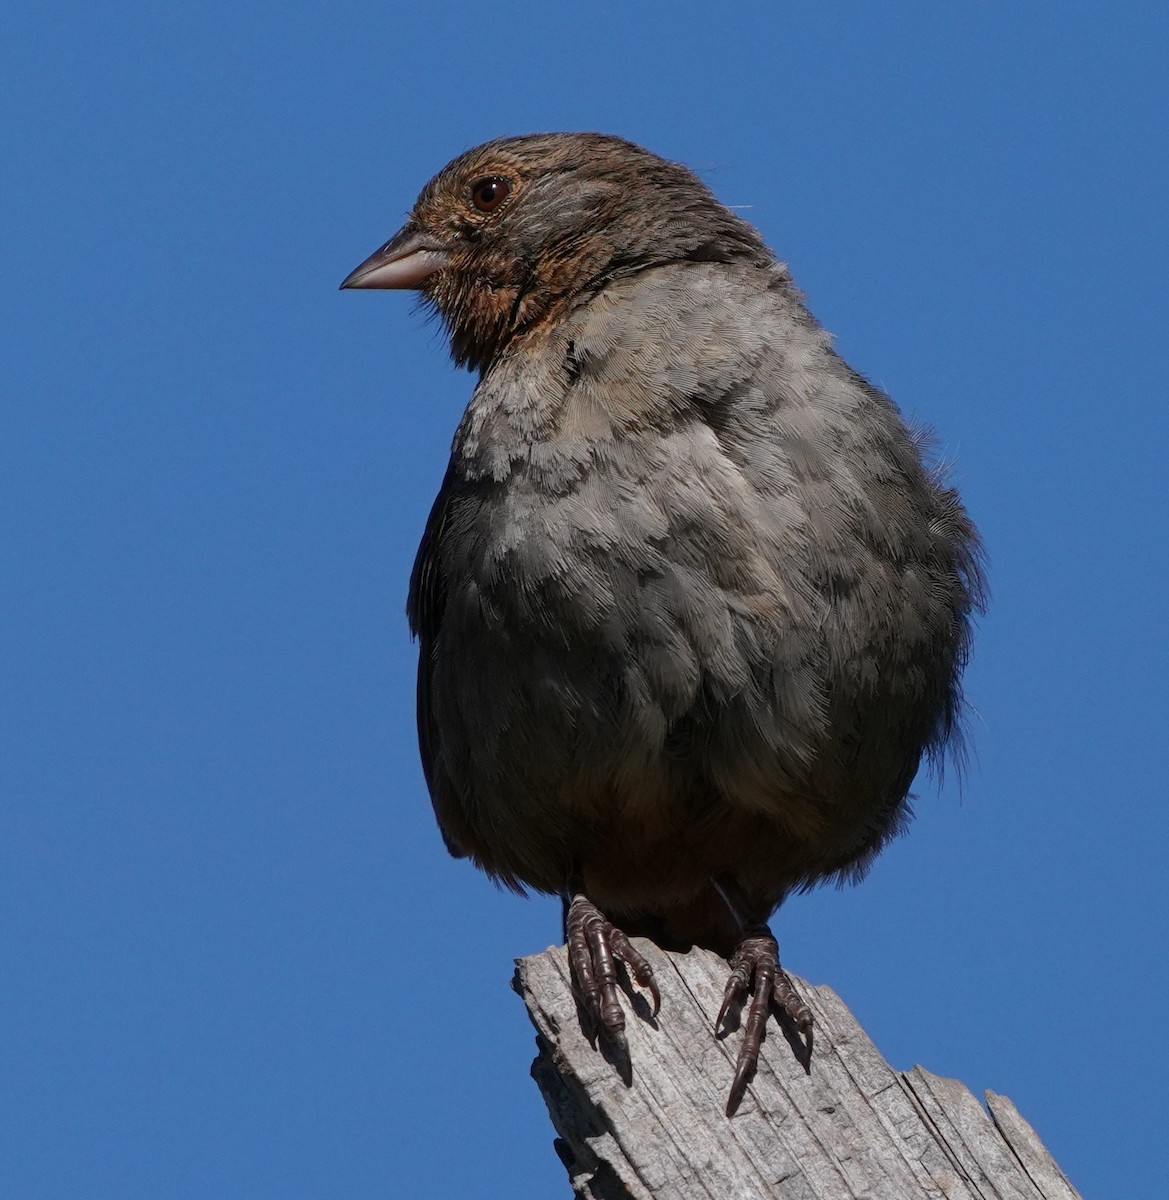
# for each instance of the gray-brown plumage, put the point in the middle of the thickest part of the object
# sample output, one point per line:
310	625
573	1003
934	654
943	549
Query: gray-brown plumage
691	606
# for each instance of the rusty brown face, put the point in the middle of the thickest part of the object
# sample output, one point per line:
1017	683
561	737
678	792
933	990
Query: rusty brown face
512	231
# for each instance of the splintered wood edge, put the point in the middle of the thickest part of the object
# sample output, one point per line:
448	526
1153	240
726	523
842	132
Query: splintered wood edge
653	1126
1032	1154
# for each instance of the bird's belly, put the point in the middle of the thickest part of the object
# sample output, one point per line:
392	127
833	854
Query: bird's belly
609	687
647	766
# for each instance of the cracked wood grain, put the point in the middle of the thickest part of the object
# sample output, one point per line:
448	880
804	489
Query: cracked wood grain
853	1127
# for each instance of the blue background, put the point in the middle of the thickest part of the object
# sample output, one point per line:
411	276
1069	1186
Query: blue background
236	960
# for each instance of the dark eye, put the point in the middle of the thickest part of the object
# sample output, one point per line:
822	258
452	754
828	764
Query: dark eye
488	194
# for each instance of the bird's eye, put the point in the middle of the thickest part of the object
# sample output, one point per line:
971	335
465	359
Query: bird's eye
488	194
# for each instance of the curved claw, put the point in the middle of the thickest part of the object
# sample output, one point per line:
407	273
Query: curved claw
738	1085
657	996
789	1001
638	965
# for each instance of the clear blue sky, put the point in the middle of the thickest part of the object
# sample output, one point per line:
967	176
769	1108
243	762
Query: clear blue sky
235	960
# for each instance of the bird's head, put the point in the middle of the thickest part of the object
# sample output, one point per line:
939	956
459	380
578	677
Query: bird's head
519	229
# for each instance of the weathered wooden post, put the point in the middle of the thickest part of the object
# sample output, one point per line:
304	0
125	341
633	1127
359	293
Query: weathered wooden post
852	1127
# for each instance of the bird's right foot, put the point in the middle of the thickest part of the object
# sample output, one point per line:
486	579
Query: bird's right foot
595	945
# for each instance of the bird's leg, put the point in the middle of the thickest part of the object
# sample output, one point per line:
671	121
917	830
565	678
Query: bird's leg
756	962
594	946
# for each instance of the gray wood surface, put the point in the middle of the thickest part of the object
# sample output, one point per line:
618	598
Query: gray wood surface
852	1127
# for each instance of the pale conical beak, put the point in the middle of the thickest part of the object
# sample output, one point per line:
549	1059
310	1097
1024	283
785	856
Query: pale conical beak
404	261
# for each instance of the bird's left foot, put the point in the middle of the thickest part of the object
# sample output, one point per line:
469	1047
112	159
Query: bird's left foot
757	961
595	945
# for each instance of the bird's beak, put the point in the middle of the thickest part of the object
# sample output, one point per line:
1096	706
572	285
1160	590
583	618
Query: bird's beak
404	261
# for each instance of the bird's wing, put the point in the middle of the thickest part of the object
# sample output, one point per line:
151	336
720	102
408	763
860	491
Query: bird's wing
424	609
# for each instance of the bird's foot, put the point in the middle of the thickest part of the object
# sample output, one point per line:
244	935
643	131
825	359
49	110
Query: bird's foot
756	961
595	945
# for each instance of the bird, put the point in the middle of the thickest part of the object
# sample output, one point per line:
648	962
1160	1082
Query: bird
694	599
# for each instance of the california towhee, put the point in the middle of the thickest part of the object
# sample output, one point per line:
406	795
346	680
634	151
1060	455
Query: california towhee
691	605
